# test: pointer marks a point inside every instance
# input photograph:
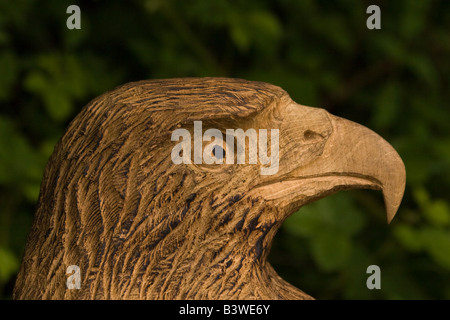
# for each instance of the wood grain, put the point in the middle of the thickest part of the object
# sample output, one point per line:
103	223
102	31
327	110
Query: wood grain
140	227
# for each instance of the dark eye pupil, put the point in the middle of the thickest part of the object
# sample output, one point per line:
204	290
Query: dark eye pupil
218	152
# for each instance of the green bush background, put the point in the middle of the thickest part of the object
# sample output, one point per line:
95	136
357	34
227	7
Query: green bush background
394	81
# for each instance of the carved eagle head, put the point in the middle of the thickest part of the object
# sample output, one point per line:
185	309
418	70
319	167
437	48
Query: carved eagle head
174	189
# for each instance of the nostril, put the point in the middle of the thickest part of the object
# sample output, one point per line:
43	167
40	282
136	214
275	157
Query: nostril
311	135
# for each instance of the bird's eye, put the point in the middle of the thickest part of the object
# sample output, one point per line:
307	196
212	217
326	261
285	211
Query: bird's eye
218	152
309	135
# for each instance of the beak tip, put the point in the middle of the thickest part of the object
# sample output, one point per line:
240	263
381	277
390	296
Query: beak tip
392	206
393	195
390	215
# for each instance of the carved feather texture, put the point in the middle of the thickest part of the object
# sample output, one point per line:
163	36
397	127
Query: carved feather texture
140	227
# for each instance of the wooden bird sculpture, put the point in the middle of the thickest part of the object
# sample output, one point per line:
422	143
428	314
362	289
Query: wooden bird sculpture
140	225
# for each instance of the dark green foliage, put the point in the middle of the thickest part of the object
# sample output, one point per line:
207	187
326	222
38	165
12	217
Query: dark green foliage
394	80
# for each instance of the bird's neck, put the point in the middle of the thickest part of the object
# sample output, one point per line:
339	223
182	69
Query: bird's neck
236	272
222	256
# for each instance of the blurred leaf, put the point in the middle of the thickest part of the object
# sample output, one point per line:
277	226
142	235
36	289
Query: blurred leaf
442	37
9	71
57	104
336	212
397	283
20	166
14	151
423	68
413	18
437	243
239	35
415	162
31	191
36	82
74	79
330	222
58	81
337	32
437	212
356	275
442	149
408	237
302	89
8	264
265	24
257	27
421	196
387	105
153	5
330	250
390	47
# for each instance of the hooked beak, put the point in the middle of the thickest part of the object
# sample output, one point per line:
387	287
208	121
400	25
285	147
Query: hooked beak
351	156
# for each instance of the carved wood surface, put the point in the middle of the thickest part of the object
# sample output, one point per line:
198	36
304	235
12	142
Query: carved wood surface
141	227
